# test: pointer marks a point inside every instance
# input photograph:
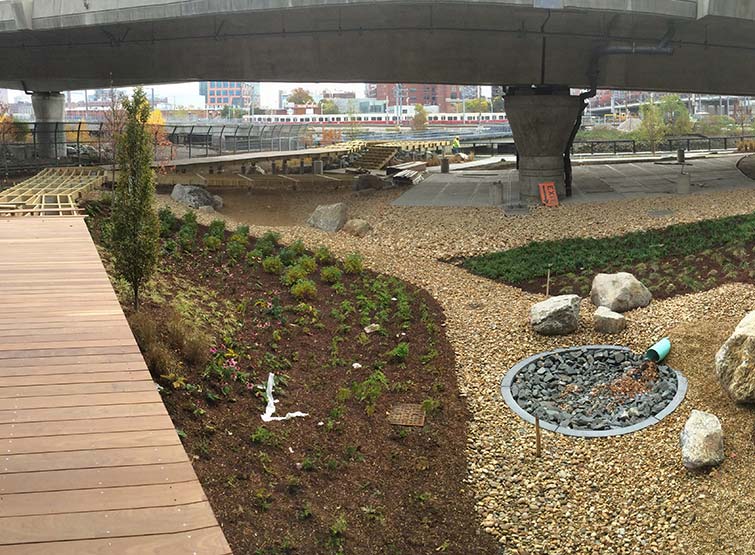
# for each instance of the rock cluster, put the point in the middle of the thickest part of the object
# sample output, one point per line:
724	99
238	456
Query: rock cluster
586	389
357	227
735	362
556	315
702	441
619	292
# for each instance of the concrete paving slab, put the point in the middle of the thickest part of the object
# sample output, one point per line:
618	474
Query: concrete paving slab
595	183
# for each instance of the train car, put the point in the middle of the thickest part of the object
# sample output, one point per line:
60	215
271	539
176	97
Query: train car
433	119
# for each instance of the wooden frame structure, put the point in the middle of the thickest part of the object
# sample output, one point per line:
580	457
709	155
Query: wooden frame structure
52	192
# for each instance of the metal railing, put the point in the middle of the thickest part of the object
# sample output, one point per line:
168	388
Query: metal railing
32	145
668	144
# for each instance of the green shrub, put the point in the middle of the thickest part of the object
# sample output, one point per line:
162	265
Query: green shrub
353	263
323	255
304	289
168	222
212	242
242	230
267	244
293	274
307	263
288	256
272	265
237	245
252	258
297	247
370	390
331	274
189	218
217	229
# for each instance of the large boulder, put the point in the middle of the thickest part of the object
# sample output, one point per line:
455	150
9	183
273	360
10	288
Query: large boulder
357	227
735	362
619	292
194	196
702	441
328	217
556	316
608	321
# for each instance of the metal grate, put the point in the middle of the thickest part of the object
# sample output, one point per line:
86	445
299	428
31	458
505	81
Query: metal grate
409	414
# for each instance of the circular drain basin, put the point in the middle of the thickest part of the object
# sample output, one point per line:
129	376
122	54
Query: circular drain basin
592	391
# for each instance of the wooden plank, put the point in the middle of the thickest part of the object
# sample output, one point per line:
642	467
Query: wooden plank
96	478
105	524
101	499
82	413
62	379
18	430
19	392
204	541
25	403
80	442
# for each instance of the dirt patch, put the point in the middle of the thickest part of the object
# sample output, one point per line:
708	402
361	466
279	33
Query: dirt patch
343	479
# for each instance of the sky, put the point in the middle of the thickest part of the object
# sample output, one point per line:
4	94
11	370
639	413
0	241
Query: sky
187	94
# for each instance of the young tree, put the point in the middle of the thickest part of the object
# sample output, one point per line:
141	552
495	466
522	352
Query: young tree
300	96
676	115
653	128
498	104
419	121
135	224
115	120
742	115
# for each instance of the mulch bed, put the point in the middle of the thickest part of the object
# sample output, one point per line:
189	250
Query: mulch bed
343	479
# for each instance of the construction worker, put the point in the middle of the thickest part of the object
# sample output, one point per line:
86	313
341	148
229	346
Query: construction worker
455	145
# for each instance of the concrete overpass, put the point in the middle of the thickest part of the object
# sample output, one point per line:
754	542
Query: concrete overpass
705	46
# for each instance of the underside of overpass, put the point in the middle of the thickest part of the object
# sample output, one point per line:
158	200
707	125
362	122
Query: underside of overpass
539	48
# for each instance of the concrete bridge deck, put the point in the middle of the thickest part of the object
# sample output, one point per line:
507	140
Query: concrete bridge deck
90	462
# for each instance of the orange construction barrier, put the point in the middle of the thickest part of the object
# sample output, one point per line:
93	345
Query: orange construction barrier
548	194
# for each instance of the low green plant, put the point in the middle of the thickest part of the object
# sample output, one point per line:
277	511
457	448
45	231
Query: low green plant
431	405
304	289
399	353
293	274
272	265
370	390
297	247
323	255
264	436
331	274
212	243
168	222
353	263
217	229
307	263
237	245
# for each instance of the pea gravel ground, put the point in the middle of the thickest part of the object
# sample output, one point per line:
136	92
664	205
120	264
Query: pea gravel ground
627	494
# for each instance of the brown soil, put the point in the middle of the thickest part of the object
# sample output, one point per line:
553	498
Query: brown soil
341	480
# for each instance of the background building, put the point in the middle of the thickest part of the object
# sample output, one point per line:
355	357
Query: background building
416	93
239	94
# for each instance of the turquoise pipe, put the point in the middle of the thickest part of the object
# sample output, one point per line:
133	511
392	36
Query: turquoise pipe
659	351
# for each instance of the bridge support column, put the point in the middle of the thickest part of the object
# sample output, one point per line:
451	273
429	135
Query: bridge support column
49	114
542	120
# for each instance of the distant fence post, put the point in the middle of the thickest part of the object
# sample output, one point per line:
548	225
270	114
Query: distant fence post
78	143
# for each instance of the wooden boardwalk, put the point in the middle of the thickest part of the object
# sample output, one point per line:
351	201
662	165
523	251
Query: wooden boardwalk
89	460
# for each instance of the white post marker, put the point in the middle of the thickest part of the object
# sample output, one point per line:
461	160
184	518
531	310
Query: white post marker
270	409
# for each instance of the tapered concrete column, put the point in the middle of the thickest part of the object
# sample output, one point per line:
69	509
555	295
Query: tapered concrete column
541	121
49	114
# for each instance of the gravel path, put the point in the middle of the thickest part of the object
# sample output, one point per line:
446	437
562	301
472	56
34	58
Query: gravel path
626	494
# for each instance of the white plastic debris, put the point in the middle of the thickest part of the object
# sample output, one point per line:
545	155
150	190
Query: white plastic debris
270	409
356	366
372	328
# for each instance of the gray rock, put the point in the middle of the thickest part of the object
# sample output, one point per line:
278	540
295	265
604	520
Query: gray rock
734	362
194	196
217	202
619	292
556	316
206	209
608	321
329	217
357	227
702	441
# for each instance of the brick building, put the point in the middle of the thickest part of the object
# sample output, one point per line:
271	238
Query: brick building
219	94
416	93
